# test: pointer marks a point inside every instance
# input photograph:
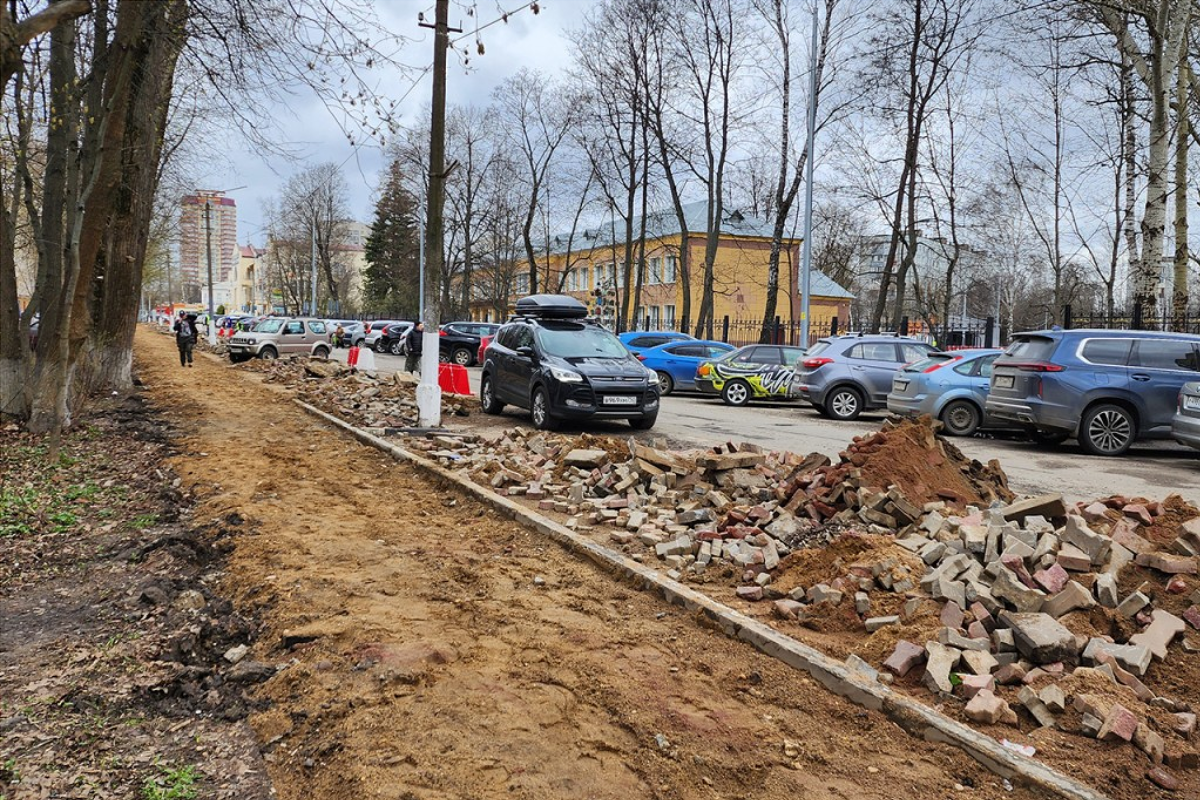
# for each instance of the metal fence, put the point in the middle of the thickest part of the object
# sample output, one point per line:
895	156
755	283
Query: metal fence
1130	319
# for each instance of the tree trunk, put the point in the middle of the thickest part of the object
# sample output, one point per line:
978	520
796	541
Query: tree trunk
1179	293
129	229
1129	158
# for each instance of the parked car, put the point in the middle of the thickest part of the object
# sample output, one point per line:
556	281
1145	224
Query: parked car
757	371
675	363
1107	389
373	330
459	341
1185	426
484	341
843	376
637	341
560	366
951	387
281	336
391	339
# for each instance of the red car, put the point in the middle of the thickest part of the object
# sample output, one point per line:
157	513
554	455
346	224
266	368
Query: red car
484	341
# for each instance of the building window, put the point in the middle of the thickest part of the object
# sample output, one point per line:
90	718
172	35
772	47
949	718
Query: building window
670	268
655	317
668	318
521	283
654	273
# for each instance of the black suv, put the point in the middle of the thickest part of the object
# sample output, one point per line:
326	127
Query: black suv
458	342
559	365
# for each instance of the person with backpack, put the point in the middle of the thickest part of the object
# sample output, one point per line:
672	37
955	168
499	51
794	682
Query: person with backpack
185	337
412	347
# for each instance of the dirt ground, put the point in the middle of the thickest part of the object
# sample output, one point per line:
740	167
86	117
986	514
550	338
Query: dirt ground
428	648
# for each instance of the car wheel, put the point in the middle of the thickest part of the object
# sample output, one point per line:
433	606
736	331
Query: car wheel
1107	430
395	348
643	423
321	352
380	346
665	384
487	397
268	353
1048	437
443	358
462	357
736	393
844	403
540	410
960	418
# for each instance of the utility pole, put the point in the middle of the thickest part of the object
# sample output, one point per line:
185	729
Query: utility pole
312	309
429	394
212	327
806	260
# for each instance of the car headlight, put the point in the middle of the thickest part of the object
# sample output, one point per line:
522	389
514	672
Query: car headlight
653	374
704	370
566	375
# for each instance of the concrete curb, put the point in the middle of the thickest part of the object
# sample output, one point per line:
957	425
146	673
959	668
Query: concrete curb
916	718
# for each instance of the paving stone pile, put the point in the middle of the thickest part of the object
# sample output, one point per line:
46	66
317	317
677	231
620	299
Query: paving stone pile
376	402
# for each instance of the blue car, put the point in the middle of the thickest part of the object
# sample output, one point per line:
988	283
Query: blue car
951	387
676	362
637	341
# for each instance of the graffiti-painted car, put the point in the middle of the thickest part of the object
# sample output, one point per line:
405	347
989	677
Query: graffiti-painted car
757	371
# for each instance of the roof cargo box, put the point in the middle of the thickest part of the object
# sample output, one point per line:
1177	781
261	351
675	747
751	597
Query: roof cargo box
551	305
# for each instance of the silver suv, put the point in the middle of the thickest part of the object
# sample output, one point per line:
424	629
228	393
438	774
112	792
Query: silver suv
281	336
843	376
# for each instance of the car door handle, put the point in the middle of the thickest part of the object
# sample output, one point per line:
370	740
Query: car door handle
1140	376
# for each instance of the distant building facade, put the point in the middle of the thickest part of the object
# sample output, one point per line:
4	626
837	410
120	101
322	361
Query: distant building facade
196	234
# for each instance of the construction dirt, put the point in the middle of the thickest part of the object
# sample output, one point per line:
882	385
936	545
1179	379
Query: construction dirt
427	647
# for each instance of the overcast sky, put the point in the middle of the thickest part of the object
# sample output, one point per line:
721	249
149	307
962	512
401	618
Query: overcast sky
527	40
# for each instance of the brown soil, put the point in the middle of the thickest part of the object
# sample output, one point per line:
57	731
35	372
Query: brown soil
434	649
926	469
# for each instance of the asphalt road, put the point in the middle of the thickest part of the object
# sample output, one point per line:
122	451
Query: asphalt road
1151	469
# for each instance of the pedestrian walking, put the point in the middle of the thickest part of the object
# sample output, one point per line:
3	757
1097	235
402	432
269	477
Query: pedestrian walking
185	337
412	347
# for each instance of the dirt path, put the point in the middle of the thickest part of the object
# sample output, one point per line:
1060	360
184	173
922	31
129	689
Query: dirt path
437	650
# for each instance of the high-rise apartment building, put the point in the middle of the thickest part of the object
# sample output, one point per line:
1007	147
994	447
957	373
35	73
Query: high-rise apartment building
196	235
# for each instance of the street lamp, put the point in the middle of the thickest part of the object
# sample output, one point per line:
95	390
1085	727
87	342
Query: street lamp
212	319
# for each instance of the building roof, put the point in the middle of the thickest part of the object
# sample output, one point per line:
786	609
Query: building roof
664	223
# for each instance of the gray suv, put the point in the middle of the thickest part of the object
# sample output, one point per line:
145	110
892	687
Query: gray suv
281	336
1106	388
843	376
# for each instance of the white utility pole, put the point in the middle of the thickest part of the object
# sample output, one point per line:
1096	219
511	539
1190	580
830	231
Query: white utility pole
806	260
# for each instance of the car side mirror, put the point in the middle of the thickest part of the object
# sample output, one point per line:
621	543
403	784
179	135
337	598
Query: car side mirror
525	350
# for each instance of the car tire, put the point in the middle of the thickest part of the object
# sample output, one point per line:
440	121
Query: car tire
1048	438
666	383
488	403
844	403
1107	429
380	346
443	358
237	358
268	353
960	418
539	409
736	393
321	352
462	357
643	423
396	348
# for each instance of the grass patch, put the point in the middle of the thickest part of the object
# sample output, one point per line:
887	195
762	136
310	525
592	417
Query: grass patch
171	784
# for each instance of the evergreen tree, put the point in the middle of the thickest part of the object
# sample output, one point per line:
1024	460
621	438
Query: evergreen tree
392	280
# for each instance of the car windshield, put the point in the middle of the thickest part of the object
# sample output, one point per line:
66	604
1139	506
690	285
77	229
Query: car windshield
269	326
578	341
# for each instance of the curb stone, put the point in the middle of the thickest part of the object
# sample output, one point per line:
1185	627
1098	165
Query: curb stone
914	717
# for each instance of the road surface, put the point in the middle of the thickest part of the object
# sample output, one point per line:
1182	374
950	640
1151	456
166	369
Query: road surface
1152	469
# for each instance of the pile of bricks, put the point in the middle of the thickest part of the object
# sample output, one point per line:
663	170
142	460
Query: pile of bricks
1009	575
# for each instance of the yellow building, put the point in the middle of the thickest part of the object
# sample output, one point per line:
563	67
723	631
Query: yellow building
590	267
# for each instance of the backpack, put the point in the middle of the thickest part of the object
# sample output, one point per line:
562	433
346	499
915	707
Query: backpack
185	329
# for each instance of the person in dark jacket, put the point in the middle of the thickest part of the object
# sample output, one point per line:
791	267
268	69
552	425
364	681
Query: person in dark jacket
412	347
186	334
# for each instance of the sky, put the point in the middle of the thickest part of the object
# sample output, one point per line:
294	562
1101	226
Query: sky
313	132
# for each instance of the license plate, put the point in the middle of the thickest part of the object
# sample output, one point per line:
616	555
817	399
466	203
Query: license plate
619	400
1004	381
1191	402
